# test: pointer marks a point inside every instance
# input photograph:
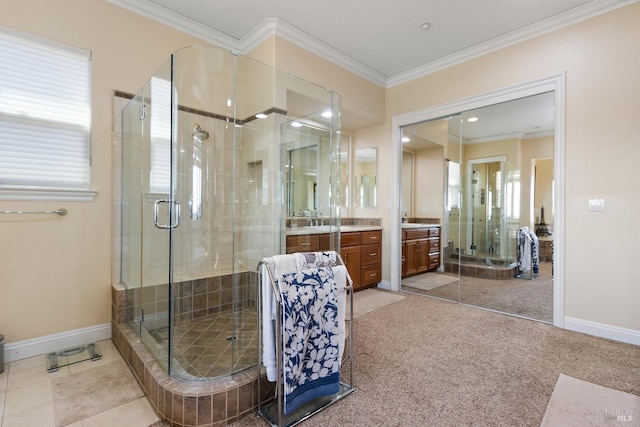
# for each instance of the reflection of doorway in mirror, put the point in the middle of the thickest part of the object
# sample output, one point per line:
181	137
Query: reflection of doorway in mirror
365	171
368	191
312	189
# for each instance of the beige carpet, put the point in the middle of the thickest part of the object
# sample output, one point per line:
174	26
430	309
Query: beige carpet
432	363
429	281
527	298
577	403
95	390
371	299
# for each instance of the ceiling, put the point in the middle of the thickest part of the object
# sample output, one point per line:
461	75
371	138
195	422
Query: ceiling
384	41
522	118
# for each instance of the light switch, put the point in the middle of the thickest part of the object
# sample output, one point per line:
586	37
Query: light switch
595	205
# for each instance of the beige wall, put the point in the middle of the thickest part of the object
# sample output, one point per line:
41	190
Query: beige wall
56	271
601	148
429	183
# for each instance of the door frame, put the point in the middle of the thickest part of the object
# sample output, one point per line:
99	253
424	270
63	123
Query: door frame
555	83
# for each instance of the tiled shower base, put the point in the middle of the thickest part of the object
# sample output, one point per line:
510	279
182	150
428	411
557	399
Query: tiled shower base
184	403
483	267
208	346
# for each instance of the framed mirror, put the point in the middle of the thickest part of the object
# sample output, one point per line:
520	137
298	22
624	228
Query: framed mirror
365	171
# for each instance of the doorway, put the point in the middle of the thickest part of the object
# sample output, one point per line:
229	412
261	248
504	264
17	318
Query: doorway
483	217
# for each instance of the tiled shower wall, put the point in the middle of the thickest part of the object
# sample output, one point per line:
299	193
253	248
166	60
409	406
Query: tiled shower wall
241	206
196	298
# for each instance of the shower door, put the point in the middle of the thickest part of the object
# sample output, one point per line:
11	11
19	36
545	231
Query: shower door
146	213
202	202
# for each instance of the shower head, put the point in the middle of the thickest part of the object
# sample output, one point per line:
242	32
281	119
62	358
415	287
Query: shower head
199	134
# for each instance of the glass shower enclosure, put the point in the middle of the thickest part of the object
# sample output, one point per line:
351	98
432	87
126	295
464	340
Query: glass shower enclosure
203	201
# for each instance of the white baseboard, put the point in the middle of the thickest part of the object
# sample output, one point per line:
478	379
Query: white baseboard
51	343
601	330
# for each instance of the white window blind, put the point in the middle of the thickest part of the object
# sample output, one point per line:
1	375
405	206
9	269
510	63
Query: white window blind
160	174
45	113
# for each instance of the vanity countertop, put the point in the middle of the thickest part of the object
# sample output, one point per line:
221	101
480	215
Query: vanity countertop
297	231
415	225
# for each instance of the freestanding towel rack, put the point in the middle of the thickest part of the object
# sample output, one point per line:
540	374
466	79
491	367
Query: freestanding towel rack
273	410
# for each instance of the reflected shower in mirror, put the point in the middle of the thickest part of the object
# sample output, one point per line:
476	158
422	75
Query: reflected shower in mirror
307	176
496	169
302	180
365	170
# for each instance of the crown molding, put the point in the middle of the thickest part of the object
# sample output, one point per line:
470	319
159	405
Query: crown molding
274	26
514	135
179	22
570	17
286	31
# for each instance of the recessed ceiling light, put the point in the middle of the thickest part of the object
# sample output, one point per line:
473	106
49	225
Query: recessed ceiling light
406	139
261	116
296	124
472	119
327	114
425	26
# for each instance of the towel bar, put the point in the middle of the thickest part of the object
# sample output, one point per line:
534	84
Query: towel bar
60	212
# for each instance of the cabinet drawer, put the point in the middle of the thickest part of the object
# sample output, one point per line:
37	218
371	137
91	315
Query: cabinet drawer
349	239
304	243
434	261
370	274
417	233
434	232
370	254
370	237
434	244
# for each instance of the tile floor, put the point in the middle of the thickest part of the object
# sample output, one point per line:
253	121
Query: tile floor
26	395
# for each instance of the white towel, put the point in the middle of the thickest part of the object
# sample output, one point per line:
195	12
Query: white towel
279	265
340	277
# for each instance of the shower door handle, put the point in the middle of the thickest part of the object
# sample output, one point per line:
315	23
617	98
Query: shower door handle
156	206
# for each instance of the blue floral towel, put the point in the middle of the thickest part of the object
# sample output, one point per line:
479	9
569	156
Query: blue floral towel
311	336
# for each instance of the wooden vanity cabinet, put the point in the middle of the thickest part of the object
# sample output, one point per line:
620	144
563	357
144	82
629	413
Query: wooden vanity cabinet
303	243
361	252
421	250
434	249
350	253
370	259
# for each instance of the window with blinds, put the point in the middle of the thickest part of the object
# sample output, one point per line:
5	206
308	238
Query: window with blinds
160	174
45	114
